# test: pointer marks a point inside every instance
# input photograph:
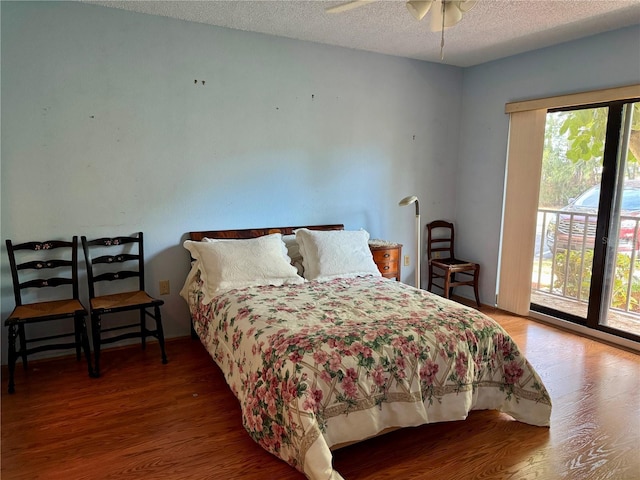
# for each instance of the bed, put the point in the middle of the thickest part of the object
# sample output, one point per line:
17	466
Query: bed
322	351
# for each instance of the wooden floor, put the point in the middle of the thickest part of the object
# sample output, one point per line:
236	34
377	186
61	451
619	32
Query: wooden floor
145	420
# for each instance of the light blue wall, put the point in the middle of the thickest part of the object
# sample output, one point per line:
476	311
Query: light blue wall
601	61
104	132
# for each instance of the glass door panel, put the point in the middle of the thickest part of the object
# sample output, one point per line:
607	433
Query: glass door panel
621	288
568	212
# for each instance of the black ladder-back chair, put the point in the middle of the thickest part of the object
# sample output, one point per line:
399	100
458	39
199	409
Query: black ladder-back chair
122	250
444	265
33	266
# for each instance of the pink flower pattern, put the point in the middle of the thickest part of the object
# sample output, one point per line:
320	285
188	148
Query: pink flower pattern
371	337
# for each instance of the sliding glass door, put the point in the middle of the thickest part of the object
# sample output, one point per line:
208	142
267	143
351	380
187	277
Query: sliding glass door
587	265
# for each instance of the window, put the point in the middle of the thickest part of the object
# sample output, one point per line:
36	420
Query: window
526	138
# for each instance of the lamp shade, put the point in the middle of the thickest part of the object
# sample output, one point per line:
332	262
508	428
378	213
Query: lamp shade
408	201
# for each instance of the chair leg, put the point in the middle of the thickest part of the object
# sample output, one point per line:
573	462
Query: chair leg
77	330
23	345
95	333
447	281
143	328
430	278
452	280
84	340
476	276
12	356
160	333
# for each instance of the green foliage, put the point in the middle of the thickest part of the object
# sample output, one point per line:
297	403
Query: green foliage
585	130
563	179
574	274
573	154
576	278
620	284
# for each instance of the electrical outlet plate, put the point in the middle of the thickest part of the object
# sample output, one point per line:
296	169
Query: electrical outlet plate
406	260
164	287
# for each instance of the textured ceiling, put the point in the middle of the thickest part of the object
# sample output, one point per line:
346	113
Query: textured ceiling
492	29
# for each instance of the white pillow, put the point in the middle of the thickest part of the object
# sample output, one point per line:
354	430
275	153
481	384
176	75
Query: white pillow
229	264
293	252
283	246
335	254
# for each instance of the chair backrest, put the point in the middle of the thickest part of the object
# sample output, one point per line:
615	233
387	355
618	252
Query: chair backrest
43	264
440	239
119	258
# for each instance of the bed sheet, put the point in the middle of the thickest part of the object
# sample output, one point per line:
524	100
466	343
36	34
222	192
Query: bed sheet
324	364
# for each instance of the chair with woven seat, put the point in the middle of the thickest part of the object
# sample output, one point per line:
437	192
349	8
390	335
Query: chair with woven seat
33	266
443	264
115	254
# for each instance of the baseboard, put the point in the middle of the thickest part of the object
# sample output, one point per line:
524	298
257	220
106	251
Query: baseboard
565	325
583	331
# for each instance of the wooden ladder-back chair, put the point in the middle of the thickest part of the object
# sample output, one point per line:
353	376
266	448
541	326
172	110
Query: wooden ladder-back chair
444	265
38	265
114	254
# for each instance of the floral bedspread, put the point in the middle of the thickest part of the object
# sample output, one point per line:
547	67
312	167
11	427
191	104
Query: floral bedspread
321	364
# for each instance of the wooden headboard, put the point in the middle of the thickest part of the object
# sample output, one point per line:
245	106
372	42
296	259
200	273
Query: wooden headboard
256	232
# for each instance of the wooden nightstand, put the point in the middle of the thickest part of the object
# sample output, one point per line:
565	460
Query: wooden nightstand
387	257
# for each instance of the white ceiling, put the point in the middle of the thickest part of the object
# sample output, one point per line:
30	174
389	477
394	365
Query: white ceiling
492	29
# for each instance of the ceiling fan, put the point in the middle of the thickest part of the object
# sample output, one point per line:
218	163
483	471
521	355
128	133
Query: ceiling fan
445	13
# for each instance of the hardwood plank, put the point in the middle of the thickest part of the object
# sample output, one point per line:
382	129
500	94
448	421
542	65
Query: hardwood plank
142	420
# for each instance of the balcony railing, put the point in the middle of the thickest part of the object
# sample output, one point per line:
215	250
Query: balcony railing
564	257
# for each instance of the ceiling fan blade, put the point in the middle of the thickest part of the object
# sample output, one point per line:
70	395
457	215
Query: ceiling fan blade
345	7
452	15
466	5
419	8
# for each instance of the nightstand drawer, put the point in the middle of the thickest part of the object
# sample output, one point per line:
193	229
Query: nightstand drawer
387	259
388	255
389	270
